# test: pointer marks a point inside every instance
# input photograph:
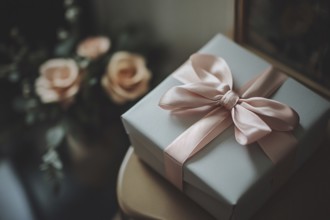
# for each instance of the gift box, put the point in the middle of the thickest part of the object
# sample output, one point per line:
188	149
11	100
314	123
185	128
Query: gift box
227	179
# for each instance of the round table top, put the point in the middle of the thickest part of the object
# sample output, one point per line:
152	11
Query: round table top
143	194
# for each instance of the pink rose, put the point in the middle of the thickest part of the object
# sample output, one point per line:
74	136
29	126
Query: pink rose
93	47
127	77
58	81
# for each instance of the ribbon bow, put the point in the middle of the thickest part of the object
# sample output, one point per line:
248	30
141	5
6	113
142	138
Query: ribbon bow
212	87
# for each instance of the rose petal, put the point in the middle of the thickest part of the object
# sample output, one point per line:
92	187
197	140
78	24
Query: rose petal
47	95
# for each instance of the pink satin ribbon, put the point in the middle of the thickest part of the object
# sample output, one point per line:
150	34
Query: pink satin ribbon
209	87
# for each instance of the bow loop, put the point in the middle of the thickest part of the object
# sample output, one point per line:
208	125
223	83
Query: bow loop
190	96
211	69
215	80
195	95
256	117
278	116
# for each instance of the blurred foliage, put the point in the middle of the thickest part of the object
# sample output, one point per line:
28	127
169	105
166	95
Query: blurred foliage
35	31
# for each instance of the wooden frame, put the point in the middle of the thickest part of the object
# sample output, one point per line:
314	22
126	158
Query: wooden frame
249	14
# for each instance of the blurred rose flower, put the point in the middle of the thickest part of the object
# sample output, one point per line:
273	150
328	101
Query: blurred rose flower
58	81
127	77
93	47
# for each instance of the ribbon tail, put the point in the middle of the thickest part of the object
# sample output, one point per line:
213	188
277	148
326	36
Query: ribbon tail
195	138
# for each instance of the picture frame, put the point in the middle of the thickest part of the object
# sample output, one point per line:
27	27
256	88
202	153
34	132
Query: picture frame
292	35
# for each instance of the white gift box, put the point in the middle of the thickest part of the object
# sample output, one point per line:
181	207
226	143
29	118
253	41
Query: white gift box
228	180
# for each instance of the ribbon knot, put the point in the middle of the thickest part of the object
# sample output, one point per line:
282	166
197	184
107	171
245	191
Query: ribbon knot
229	100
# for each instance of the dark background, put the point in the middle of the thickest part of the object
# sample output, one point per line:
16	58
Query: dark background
25	192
